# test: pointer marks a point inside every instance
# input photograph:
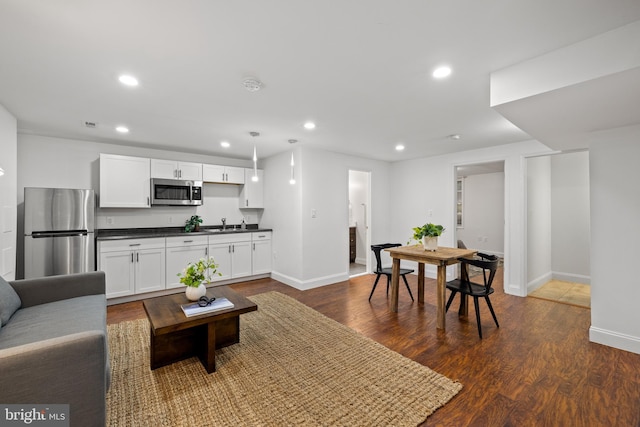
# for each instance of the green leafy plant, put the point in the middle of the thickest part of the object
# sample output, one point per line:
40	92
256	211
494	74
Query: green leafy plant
427	230
198	272
193	223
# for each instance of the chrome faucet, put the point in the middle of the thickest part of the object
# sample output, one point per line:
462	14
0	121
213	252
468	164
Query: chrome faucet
224	223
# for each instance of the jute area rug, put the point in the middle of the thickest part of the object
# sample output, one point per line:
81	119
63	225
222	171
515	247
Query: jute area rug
293	366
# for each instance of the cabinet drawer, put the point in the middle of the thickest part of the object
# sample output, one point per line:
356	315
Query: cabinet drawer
230	238
173	242
130	244
262	235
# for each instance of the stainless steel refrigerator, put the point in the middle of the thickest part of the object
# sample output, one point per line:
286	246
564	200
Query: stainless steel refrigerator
58	231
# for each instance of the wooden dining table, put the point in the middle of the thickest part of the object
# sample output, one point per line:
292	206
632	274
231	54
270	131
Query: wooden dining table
442	257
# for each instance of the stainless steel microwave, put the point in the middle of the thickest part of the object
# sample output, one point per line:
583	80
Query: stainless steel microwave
176	192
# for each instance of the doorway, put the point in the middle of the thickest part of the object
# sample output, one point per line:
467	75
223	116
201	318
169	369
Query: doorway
359	221
558	227
480	209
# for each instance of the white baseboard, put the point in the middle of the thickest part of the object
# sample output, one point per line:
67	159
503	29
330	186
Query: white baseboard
316	282
539	281
570	277
362	261
614	339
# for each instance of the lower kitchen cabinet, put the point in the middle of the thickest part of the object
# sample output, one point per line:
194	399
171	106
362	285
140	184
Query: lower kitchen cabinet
232	253
261	257
132	266
180	252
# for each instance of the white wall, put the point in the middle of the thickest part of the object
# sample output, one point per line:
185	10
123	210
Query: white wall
538	222
8	194
483	213
615	225
570	217
428	184
318	247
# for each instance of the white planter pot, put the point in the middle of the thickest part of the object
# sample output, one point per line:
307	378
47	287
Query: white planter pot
430	243
194	294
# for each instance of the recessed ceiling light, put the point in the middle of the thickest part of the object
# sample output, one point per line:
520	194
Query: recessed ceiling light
441	72
122	129
455	136
128	80
399	147
252	85
309	125
225	144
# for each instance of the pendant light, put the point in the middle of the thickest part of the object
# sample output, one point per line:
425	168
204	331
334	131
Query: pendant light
254	178
292	181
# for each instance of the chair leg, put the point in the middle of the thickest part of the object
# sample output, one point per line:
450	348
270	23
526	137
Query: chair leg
495	319
374	287
388	281
477	306
408	288
453	295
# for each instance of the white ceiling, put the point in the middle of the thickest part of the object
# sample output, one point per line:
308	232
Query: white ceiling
360	69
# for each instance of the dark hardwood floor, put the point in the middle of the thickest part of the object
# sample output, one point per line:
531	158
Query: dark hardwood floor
537	369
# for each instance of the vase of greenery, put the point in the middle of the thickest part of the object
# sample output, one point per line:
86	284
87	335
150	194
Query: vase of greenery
428	234
193	224
195	275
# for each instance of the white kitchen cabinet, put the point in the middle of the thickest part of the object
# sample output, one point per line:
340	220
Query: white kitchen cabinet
124	182
132	266
252	194
261	256
232	253
181	251
222	174
171	169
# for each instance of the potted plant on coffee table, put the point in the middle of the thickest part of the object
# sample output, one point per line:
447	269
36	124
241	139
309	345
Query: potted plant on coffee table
428	235
195	275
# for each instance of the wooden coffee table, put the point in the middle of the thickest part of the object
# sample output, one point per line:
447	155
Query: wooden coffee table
175	336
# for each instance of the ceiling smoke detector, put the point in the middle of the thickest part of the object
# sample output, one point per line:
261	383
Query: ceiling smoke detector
293	141
252	85
254	133
90	124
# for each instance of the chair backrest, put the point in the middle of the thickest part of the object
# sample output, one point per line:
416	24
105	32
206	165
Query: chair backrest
489	266
376	251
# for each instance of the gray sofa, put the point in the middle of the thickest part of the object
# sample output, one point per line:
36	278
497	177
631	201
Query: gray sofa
53	344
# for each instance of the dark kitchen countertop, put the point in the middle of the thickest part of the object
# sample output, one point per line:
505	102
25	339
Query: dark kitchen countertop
141	233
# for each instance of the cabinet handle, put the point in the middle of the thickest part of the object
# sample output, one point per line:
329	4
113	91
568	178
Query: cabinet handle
137	256
175	173
254	247
179	173
131	256
233	248
246	202
229	248
188	241
206	251
148	201
135	244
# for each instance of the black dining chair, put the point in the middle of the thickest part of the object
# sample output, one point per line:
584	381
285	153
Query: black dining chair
464	286
387	271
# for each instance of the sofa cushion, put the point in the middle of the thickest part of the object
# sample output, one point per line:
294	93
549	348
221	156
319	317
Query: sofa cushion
9	301
55	319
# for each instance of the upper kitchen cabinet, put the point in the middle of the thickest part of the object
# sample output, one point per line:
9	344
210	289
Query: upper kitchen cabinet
252	194
222	174
124	181
171	169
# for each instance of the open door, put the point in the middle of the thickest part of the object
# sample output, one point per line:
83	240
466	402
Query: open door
359	222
